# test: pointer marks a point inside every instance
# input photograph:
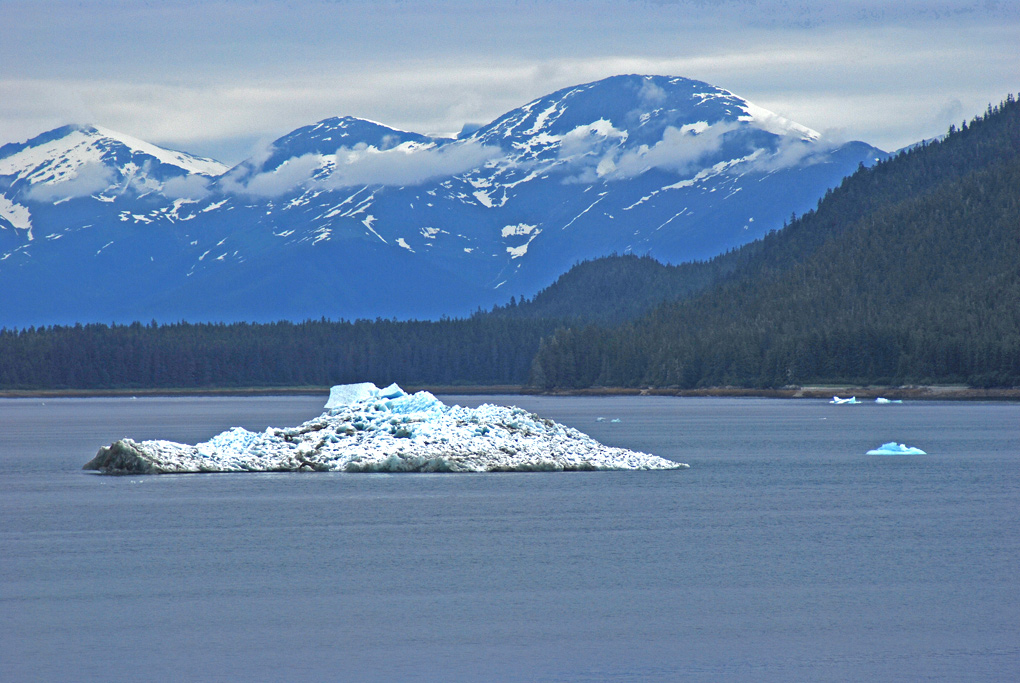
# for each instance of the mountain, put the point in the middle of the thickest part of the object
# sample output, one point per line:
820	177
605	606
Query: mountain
907	273
348	218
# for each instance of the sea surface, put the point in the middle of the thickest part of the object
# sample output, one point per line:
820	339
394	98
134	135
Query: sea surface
783	554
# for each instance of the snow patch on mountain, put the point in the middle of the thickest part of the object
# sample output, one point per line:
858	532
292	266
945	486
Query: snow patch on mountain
188	162
52	161
79	161
17	215
774	123
519	229
81	181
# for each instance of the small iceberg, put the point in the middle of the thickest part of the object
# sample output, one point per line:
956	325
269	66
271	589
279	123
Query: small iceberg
893	448
844	401
885	401
367	429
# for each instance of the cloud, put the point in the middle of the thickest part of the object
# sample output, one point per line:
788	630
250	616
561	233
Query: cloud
792	151
292	174
591	138
651	94
679	150
880	70
186	187
406	164
89	178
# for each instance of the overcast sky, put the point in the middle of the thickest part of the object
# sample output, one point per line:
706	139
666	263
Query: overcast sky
222	77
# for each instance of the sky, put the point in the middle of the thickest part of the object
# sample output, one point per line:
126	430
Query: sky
222	78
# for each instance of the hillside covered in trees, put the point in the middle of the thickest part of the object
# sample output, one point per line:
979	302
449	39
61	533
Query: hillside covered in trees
909	272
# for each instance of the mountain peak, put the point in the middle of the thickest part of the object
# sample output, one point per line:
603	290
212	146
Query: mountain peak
638	113
324	138
64	154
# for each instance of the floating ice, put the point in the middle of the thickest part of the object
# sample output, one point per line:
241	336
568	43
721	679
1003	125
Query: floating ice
844	401
368	429
884	401
346	394
893	448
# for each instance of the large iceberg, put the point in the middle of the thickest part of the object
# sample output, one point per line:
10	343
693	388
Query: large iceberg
367	429
893	448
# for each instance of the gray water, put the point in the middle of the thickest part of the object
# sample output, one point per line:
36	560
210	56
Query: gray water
783	554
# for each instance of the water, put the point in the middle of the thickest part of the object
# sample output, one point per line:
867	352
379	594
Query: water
783	554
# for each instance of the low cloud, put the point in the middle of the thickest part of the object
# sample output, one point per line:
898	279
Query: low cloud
406	165
592	138
89	178
651	94
294	173
680	150
792	151
687	149
186	187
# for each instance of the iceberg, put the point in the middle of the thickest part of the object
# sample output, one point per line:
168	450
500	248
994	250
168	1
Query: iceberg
367	429
893	448
885	401
844	401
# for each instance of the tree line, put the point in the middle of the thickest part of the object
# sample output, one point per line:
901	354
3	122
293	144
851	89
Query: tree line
480	350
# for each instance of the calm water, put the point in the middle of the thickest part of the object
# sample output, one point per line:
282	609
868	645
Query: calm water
783	554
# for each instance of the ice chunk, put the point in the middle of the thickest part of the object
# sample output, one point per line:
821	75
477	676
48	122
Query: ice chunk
420	402
392	391
844	401
367	429
893	448
348	394
884	401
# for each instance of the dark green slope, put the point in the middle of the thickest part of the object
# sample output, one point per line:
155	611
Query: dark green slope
614	289
909	272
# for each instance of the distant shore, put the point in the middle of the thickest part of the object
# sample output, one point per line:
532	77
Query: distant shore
918	392
927	392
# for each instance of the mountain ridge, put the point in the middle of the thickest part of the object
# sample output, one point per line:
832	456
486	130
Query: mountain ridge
389	223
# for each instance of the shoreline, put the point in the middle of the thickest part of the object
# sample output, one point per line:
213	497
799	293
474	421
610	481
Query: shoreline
918	392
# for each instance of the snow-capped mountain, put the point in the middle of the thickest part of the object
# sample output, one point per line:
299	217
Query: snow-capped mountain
87	167
350	218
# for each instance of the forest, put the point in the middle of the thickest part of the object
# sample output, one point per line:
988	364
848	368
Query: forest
907	273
